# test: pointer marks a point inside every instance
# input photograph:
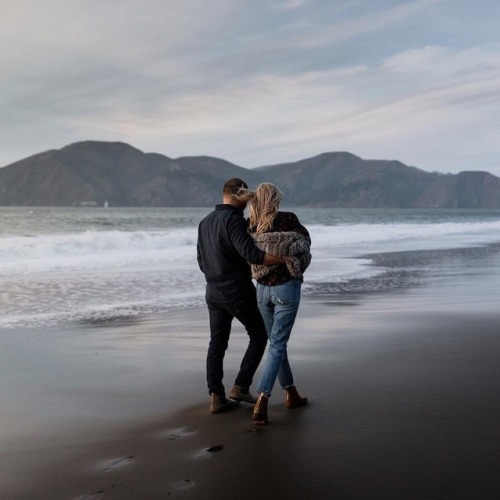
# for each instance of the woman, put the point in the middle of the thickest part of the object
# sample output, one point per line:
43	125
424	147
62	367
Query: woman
278	289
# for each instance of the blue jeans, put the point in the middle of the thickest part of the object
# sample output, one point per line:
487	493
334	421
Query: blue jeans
278	305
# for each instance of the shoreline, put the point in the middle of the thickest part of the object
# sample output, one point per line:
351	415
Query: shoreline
403	404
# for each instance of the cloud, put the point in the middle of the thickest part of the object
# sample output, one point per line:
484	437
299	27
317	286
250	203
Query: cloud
251	83
415	59
332	110
289	4
336	25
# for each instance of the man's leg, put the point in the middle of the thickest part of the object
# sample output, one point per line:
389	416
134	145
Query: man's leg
247	312
220	329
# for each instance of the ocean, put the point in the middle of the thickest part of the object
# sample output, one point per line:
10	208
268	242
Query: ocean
61	265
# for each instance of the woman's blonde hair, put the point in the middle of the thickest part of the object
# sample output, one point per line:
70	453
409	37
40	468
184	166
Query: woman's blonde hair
264	206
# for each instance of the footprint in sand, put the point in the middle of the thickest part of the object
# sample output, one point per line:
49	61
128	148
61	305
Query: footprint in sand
208	452
181	488
174	434
93	496
112	465
99	495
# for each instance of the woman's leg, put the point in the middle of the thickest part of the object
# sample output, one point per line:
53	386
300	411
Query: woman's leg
266	307
285	375
284	301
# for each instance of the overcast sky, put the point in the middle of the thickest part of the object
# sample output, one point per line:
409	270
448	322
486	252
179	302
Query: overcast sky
255	82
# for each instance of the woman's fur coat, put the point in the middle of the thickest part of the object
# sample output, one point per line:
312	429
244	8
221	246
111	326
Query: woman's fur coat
290	244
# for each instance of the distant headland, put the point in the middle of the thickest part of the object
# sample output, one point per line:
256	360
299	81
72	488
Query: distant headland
93	173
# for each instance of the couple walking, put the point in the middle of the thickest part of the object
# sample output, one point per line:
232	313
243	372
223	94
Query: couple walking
273	248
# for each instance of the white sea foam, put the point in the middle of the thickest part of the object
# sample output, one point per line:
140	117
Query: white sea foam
118	249
94	250
48	277
385	237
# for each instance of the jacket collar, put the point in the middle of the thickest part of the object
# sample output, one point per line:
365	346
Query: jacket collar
224	206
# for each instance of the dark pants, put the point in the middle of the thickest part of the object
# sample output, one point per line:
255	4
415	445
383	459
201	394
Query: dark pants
221	316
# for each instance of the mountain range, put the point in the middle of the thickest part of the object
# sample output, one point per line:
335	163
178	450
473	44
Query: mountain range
95	173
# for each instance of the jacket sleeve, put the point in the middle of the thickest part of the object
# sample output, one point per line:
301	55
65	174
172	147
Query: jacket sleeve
297	226
290	222
198	256
243	242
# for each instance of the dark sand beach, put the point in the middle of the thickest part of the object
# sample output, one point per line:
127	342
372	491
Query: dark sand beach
403	389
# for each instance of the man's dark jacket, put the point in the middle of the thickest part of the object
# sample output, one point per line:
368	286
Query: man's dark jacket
225	250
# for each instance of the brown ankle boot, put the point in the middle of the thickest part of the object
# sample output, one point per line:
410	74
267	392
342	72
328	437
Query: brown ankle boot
220	404
260	411
293	399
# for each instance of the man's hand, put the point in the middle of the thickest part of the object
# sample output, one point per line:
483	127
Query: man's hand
269	260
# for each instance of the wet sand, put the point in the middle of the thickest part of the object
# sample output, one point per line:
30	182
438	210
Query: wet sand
403	390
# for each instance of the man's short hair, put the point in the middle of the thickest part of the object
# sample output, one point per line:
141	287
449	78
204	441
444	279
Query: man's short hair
232	186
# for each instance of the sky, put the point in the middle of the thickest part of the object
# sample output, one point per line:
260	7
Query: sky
255	82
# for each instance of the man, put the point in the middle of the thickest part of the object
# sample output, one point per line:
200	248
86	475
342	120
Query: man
225	250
